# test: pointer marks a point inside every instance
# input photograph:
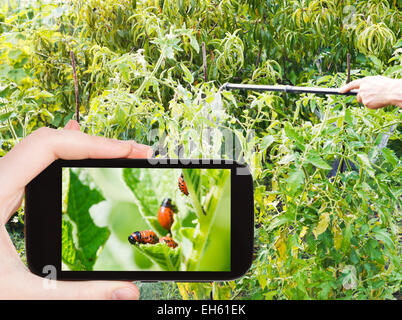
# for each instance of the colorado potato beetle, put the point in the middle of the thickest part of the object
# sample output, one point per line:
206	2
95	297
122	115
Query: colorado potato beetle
146	236
182	185
165	214
169	241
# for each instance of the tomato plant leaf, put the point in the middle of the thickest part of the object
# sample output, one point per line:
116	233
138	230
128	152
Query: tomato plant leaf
314	158
382	235
168	259
7	115
349	278
194	44
322	225
389	155
295	179
266	142
146	197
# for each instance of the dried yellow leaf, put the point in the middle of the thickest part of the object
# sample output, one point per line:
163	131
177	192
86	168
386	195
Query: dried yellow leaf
280	245
183	289
322	224
302	233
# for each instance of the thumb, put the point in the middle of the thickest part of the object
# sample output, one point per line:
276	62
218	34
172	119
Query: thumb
46	289
351	85
16	282
91	290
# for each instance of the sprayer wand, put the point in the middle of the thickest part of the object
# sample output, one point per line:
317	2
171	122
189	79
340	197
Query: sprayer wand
287	89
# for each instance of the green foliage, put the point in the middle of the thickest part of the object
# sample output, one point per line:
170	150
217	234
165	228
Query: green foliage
141	76
214	221
16	231
168	259
195	228
80	197
332	228
200	221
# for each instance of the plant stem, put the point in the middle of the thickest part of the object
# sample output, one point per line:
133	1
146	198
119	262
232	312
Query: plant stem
77	97
151	75
204	62
205	223
139	91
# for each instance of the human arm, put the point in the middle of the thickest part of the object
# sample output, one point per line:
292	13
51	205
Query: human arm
17	168
376	91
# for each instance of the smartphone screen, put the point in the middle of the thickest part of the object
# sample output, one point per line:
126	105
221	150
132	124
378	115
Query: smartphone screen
140	219
146	219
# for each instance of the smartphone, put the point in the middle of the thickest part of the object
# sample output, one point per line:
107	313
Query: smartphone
140	219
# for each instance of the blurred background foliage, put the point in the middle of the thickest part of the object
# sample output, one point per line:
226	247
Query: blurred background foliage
150	71
103	206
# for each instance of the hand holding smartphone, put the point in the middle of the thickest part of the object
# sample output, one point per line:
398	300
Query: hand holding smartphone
139	219
17	168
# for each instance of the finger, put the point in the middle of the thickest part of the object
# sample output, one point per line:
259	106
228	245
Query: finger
72	125
350	86
374	105
359	98
140	150
34	153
